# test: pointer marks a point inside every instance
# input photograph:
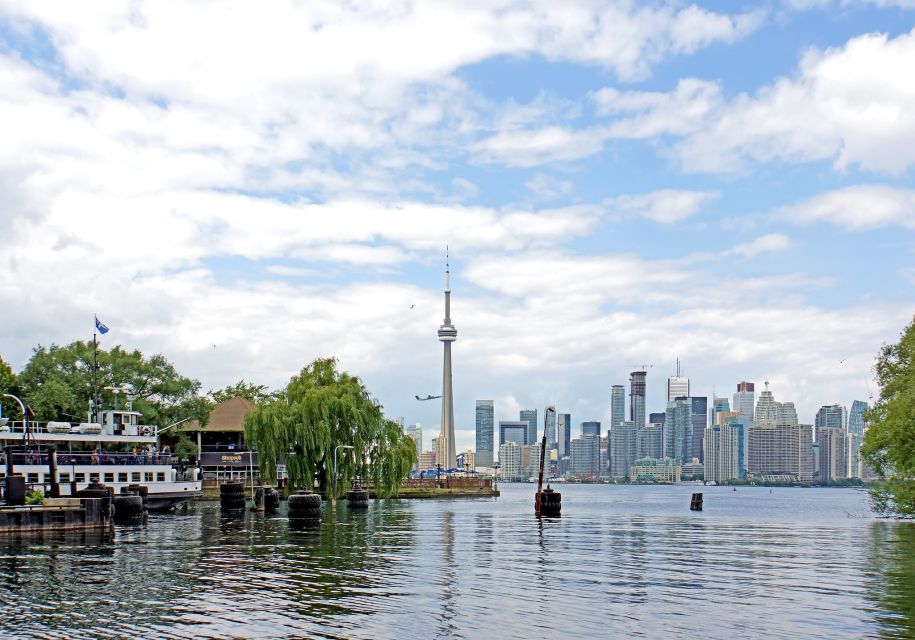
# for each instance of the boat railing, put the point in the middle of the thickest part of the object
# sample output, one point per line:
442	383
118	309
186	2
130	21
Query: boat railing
81	428
94	458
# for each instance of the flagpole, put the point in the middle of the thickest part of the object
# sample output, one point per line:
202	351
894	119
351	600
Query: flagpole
95	410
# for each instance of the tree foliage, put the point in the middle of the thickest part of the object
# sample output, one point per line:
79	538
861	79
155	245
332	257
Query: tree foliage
57	382
889	443
320	410
256	393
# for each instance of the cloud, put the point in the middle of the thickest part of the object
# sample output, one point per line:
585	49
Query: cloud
665	206
532	147
856	208
770	243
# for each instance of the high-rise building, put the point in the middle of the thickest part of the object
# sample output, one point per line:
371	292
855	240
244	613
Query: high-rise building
564	434
832	457
466	460
637	388
678	431
657	417
513	431
856	417
509	462
415	431
745	401
785	413
623	448
719	405
831	416
447	454
699	407
765	407
550	428
530	417
586	456
724	453
485	424
783	451
649	441
677	387
617	405
590	428
604	470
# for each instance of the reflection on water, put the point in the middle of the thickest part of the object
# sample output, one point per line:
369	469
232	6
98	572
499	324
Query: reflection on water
620	561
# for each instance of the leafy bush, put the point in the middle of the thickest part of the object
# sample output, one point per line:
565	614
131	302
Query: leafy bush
36	497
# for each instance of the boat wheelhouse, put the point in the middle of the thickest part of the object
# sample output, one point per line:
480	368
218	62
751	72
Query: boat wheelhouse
119	451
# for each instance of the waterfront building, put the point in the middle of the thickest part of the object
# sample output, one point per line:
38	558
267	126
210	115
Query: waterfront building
530	417
678	430
854	438
510	462
466	460
591	428
535	461
527	460
447	453
785	413
745	401
485	423
699	409
513	431
637	388
427	460
585	461
724	453
604	469
617	405
623	448
550	428
654	471
564	434
649	441
831	416
694	470
221	441
765	407
781	450
832	457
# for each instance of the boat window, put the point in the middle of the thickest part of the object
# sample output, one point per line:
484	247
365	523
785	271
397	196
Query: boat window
147	476
93	477
33	478
109	477
80	477
65	477
160	476
135	476
122	476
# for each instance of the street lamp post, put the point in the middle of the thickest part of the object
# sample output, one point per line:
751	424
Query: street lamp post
333	499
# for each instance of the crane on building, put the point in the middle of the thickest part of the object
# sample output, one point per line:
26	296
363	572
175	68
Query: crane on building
641	367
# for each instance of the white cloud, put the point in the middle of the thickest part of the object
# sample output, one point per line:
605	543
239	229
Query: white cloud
666	205
856	208
770	243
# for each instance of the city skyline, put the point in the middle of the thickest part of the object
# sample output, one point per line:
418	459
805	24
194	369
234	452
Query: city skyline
710	188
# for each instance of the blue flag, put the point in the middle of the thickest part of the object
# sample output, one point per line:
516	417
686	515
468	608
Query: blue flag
103	329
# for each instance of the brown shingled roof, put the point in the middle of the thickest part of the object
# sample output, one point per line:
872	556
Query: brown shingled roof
228	416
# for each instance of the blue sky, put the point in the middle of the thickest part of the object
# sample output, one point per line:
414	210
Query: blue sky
244	189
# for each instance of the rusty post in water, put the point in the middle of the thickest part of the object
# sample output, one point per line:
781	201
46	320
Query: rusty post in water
542	457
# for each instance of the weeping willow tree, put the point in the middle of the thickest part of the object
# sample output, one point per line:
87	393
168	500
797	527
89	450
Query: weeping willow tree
320	411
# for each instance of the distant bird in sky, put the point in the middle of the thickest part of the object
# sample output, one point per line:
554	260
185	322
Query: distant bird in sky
842	361
427	398
411	306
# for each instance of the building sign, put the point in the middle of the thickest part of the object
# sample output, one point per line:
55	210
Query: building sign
228	459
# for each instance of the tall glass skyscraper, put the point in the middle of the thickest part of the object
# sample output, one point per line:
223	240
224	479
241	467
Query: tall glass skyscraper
550	428
513	431
637	388
856	417
530	417
484	428
564	434
745	401
590	428
617	405
699	406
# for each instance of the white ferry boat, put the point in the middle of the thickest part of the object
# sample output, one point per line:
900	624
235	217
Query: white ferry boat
117	452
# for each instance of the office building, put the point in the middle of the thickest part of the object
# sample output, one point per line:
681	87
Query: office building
590	428
657	417
550	428
485	423
719	405
699	408
724	455
637	388
466	460
856	422
530	417
649	441
677	387
831	416
510	462
781	452
415	432
617	405
427	460
832	456
785	413
653	471
564	434
604	468
527	460
585	461
623	448
765	407
678	430
513	431
745	401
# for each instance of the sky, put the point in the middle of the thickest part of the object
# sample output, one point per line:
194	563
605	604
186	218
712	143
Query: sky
244	187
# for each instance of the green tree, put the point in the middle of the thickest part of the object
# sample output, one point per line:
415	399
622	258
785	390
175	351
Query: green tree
256	393
319	410
8	384
58	383
185	449
889	443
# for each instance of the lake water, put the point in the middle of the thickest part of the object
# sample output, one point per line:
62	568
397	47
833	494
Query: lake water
622	561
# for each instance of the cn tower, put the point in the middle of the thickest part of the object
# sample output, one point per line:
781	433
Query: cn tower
447	454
